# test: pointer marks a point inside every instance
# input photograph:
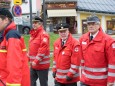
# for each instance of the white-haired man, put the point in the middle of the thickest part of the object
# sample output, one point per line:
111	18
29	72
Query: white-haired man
98	53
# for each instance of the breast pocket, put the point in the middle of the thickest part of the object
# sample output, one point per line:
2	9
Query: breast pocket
66	53
66	57
35	44
36	41
99	54
99	49
84	47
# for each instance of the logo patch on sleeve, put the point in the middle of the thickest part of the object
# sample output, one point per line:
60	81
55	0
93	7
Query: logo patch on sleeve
76	49
45	40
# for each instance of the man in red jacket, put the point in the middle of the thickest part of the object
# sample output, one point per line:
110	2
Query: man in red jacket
14	69
66	58
39	53
98	55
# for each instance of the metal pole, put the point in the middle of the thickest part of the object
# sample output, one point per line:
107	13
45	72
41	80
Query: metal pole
30	13
44	14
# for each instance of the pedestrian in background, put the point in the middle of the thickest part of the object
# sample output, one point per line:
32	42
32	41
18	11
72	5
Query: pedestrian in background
66	58
39	53
98	55
14	69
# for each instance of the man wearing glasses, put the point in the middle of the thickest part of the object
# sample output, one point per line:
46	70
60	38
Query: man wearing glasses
66	58
98	55
39	53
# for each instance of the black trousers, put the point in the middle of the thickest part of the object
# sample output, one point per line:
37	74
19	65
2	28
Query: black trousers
61	84
41	74
83	84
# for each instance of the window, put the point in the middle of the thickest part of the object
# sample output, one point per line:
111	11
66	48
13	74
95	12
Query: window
111	27
84	26
24	1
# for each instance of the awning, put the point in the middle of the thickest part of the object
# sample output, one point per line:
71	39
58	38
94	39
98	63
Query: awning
61	12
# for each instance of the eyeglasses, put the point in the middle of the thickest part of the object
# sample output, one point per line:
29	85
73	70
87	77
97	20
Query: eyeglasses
63	31
92	23
34	22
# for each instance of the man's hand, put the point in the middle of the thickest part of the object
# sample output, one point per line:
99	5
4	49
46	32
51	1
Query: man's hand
68	78
110	84
33	64
54	74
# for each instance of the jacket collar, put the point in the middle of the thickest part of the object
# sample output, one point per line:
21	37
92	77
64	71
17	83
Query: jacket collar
10	26
99	35
97	38
34	32
40	29
68	41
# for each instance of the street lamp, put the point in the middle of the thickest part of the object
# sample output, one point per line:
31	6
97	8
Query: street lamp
30	13
44	14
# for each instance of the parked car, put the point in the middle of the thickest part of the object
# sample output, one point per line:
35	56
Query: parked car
25	27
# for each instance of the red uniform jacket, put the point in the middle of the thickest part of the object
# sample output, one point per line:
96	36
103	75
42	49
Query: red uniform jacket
39	48
98	62
14	70
67	60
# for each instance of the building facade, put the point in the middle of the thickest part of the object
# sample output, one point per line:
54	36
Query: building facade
64	11
73	12
61	11
105	10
